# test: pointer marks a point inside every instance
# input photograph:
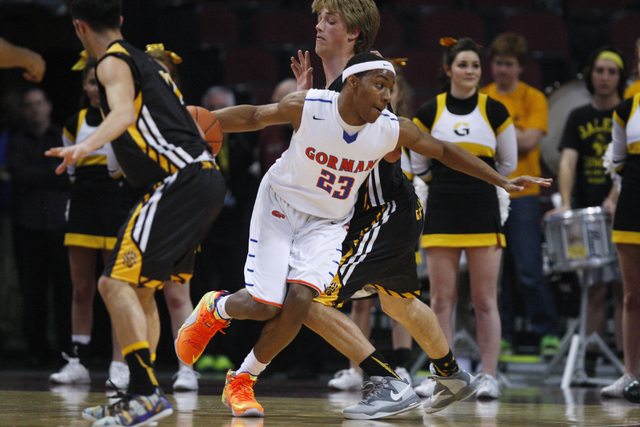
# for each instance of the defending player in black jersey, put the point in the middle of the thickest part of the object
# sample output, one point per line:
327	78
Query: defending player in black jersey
160	150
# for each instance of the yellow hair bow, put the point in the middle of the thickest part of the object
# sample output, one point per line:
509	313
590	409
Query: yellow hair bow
175	58
401	62
448	41
82	62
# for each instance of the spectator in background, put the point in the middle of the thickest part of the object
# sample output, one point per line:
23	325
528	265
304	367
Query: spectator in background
274	140
523	278
583	182
38	201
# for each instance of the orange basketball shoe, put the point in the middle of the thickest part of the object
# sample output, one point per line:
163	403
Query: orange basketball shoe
238	395
199	328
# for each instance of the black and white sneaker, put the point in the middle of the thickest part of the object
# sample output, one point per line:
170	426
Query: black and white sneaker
449	390
384	396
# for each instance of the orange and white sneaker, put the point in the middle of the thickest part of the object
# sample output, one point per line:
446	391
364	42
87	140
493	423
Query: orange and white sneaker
199	328
238	395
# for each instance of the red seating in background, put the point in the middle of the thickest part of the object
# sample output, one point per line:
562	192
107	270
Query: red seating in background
218	25
450	23
278	27
624	30
544	31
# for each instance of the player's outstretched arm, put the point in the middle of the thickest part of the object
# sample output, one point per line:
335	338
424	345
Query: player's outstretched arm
15	56
247	118
460	159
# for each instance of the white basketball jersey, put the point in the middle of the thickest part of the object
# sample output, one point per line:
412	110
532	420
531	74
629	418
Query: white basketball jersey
328	159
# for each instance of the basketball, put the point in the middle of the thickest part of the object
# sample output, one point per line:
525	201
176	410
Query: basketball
210	126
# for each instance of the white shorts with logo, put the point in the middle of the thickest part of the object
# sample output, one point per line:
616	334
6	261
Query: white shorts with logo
289	246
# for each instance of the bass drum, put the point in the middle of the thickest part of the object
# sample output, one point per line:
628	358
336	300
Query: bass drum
562	101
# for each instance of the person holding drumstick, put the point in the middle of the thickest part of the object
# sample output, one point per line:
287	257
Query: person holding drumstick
582	179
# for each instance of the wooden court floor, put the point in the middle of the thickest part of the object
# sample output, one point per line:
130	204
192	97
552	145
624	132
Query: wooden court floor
26	399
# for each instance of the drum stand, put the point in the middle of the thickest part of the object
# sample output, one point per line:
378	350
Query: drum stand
575	344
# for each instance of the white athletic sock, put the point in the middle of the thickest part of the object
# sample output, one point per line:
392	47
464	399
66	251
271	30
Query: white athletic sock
252	365
220	305
81	339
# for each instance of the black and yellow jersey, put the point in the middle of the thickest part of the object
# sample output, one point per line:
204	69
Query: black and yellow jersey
164	137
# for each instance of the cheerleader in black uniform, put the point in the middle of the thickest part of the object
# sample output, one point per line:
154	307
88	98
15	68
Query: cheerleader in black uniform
96	209
626	236
462	212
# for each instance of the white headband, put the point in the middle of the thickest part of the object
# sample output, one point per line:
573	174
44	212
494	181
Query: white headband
367	66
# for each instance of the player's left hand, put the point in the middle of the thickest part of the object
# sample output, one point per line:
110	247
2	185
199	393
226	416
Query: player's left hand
302	70
520	183
68	154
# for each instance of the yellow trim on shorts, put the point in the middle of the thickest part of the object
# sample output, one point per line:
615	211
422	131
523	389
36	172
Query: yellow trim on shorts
395	294
128	264
145	282
632	237
90	241
330	294
181	278
135	346
463	240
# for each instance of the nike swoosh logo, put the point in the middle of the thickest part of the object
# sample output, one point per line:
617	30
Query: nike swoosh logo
397	396
434	396
317	118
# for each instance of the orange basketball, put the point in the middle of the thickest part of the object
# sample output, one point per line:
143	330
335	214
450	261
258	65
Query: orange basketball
210	126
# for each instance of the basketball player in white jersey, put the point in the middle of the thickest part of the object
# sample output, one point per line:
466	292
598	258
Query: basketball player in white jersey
300	216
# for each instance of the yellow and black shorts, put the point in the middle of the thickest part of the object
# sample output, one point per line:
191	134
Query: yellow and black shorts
378	254
159	239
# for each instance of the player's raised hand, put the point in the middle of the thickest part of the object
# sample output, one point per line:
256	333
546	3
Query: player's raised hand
302	70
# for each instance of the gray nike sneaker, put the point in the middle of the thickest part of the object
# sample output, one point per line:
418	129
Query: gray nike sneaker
449	390
384	396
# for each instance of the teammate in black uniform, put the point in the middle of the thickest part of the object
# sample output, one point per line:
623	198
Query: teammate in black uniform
159	148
